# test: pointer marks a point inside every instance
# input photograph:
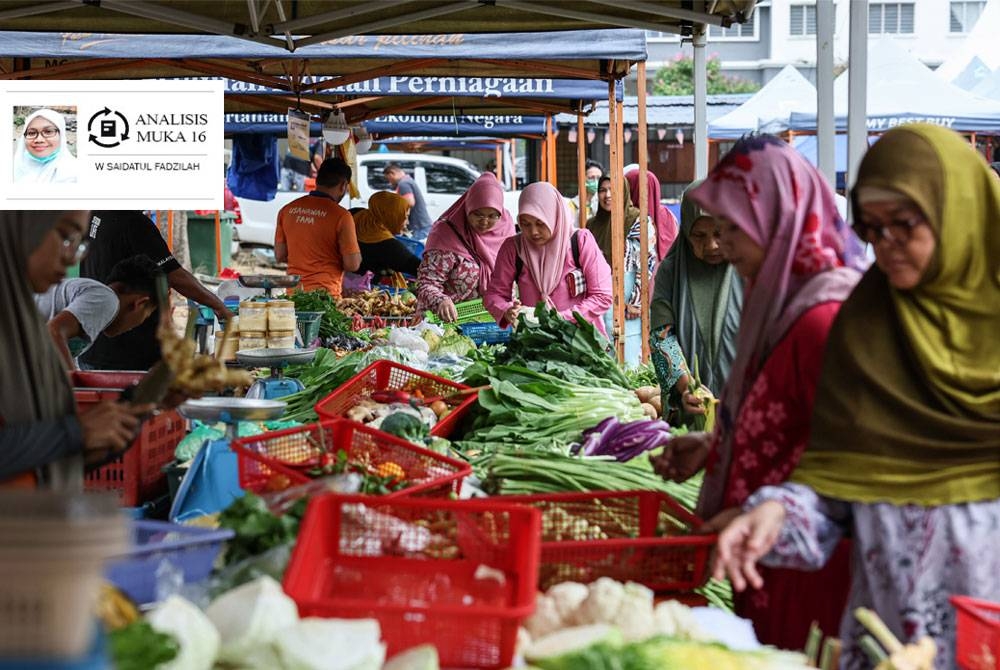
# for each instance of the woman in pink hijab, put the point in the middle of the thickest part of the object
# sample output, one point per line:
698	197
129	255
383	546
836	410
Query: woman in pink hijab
541	261
781	231
665	221
462	248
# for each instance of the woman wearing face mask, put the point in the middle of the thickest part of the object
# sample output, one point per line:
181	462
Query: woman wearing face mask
377	228
41	155
542	262
663	218
600	226
40	433
781	232
906	432
695	312
462	249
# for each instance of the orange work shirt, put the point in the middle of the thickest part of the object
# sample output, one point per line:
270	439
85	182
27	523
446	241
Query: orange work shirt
319	233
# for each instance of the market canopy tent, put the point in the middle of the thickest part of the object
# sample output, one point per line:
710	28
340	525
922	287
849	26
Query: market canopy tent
768	107
661	110
300	24
981	44
902	90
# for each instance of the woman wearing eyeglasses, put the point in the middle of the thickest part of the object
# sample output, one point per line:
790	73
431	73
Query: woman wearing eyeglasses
41	437
781	231
462	249
905	446
41	155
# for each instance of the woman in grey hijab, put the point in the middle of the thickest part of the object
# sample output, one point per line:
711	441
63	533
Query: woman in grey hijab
41	437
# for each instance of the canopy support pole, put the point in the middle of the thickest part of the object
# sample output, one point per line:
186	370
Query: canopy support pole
700	103
551	143
513	166
218	242
825	132
170	230
972	139
617	224
644	206
581	169
498	162
857	89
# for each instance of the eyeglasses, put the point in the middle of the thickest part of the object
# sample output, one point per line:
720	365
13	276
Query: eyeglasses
47	133
898	231
485	217
75	247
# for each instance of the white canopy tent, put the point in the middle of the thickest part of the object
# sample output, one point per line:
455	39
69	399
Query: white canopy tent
768	108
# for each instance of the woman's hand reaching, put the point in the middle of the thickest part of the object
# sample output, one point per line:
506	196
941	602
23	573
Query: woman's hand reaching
747	539
446	311
683	456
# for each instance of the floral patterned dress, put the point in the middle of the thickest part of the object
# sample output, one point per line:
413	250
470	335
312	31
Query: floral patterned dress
445	274
771	432
908	560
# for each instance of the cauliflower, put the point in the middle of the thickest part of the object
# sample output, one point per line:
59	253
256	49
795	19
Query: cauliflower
568	596
674	619
635	614
546	618
604	598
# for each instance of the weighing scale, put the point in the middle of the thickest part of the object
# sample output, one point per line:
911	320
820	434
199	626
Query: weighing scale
212	482
276	385
269	282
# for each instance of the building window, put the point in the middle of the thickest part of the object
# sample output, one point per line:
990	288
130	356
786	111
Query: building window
965	14
660	36
738	31
890	18
802	20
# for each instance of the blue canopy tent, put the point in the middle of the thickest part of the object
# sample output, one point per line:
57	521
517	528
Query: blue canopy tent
902	90
788	90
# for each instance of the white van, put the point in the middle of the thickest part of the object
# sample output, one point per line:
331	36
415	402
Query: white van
442	180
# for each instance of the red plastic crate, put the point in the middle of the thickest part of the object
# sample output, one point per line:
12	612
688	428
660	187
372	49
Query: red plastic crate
137	476
274	461
630	536
413	565
389	376
978	633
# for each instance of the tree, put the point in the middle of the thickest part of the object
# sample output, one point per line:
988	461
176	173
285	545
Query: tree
678	78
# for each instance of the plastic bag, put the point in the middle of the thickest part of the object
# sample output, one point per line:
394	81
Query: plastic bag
408	339
249	618
195	633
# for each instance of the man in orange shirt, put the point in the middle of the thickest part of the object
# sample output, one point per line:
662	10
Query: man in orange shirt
316	236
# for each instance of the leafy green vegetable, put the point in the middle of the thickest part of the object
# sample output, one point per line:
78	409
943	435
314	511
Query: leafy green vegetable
571	351
642	375
138	646
406	426
320	377
257	528
333	322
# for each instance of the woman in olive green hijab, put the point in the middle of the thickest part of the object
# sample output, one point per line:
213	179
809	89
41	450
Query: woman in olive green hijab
905	448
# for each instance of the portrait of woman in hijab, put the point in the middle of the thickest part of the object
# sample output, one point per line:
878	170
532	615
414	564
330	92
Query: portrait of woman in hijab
42	152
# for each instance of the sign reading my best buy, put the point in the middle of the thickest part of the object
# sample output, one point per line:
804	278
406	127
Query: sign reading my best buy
91	144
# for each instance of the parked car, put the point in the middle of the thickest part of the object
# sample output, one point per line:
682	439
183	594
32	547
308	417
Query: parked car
441	179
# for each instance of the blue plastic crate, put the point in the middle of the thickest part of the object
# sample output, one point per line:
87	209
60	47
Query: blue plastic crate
485	333
415	247
188	549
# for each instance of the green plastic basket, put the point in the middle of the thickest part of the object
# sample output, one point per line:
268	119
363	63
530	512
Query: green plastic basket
308	323
470	311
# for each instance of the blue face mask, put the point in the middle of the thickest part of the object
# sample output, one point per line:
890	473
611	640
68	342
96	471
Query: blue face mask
46	159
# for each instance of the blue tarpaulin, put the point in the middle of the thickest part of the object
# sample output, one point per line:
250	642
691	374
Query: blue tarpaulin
618	44
472	87
416	124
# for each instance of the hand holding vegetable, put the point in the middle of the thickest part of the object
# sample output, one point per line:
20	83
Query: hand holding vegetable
446	311
683	456
109	427
745	541
692	403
